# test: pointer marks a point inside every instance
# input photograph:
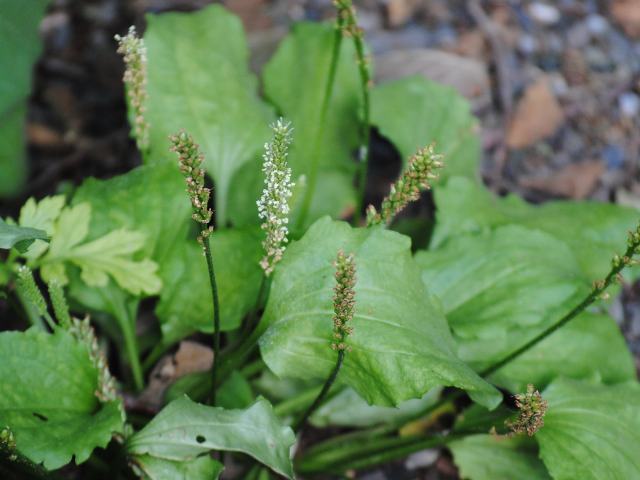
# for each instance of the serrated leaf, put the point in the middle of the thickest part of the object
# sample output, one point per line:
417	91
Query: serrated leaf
594	231
40	215
19	237
295	82
500	288
106	256
184	429
200	468
401	344
47	398
20	47
414	112
199	81
591	432
185	303
487	457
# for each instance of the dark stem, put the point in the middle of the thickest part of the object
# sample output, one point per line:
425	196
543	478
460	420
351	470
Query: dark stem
326	100
216	319
325	389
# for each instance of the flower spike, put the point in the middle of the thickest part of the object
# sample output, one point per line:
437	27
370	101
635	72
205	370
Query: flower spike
134	52
344	300
273	206
422	168
532	409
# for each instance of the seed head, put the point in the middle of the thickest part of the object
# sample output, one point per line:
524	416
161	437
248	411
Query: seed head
422	168
27	287
344	299
273	205
190	162
532	409
134	53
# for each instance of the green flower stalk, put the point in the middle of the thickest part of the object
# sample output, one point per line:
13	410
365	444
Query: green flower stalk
273	206
59	302
344	304
31	296
190	163
134	53
532	409
421	170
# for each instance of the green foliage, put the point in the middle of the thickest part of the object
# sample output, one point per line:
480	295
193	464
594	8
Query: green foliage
295	82
199	81
591	431
401	344
41	215
200	468
414	111
47	398
183	430
19	24
488	457
467	207
19	237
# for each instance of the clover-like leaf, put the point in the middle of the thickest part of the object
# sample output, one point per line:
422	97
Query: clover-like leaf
415	111
47	398
199	81
41	215
591	431
183	430
401	344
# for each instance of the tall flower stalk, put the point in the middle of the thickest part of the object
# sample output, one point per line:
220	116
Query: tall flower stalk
190	162
273	206
344	304
420	171
134	53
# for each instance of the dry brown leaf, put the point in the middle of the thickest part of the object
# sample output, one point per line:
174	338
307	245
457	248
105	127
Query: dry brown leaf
627	14
575	181
537	116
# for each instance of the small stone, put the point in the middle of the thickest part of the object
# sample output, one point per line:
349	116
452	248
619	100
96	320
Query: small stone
597	25
422	459
544	13
629	104
527	44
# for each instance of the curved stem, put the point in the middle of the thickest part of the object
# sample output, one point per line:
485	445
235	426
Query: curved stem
216	318
127	327
326	100
325	389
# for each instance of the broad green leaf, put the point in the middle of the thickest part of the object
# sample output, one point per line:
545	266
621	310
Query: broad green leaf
591	432
348	409
184	429
19	237
414	112
185	303
235	392
295	81
199	81
401	345
19	49
500	288
589	347
487	457
105	256
41	215
594	231
47	398
200	468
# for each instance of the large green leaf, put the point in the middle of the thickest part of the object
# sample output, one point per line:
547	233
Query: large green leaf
19	237
200	468
19	48
401	343
500	288
295	81
591	432
594	231
414	112
487	457
47	398
184	429
185	303
589	347
199	81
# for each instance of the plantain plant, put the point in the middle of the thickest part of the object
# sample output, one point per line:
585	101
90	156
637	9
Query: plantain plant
492	343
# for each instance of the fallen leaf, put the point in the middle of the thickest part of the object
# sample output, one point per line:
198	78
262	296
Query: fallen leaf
537	116
575	181
627	14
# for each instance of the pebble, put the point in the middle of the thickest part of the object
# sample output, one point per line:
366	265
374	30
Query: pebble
613	156
544	13
422	459
629	104
527	44
597	25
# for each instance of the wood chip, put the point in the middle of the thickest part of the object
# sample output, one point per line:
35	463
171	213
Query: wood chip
575	181
627	14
